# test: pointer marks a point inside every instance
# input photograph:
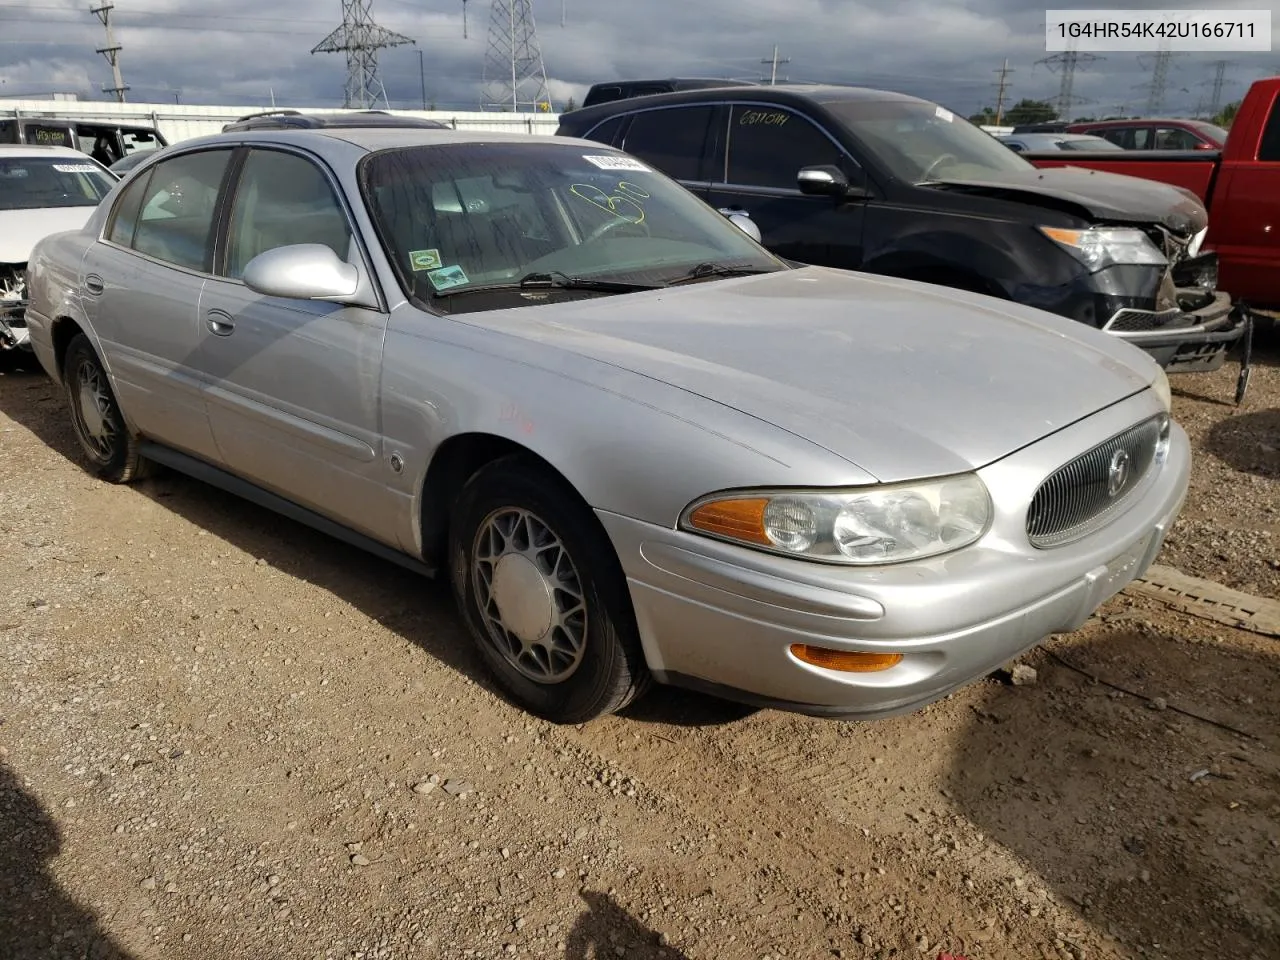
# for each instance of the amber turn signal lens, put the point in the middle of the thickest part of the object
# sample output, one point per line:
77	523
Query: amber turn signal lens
847	661
736	519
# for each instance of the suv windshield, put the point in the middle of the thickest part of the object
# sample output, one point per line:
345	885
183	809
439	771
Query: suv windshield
30	183
921	141
457	218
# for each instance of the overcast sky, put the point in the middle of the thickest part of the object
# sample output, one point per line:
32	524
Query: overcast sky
242	51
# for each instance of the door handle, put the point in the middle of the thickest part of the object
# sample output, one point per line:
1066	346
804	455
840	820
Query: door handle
219	323
93	283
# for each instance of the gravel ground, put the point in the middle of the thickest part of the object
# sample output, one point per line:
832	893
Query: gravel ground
225	736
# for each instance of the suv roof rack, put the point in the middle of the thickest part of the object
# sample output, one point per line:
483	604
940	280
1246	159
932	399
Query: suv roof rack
294	119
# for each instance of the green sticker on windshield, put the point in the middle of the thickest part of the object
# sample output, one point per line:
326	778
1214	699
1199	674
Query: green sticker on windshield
424	260
447	277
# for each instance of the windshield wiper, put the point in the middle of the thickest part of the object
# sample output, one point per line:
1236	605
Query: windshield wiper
555	280
705	270
562	281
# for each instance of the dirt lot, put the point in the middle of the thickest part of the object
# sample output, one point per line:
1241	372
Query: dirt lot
212	723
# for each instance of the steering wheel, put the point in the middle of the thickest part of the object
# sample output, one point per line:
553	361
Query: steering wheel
929	169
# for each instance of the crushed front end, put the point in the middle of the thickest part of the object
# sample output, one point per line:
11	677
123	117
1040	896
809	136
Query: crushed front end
1175	311
13	307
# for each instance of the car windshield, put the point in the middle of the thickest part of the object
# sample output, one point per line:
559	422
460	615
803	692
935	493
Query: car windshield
457	218
920	141
30	183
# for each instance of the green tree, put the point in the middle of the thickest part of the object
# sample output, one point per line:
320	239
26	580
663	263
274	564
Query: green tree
986	117
1226	115
1030	111
571	105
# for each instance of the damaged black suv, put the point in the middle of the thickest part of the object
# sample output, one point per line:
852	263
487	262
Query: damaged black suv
890	184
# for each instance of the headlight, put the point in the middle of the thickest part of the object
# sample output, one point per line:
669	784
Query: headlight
882	524
1100	247
1161	386
1193	248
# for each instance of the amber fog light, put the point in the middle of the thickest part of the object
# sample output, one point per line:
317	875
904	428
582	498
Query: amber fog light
846	661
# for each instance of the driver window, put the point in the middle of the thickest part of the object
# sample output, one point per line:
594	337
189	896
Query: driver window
283	199
768	146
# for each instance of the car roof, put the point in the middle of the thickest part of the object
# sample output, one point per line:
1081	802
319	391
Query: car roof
294	119
374	138
38	150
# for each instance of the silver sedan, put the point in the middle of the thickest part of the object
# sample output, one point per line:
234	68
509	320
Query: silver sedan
639	446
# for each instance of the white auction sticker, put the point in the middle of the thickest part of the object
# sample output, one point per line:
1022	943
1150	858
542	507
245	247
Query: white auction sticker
1140	31
942	113
75	168
617	163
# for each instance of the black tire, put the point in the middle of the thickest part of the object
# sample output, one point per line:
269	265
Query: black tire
112	452
610	670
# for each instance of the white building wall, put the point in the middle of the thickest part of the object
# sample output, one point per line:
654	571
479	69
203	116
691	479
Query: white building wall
178	122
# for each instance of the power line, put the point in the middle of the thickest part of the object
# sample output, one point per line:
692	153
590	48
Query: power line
361	39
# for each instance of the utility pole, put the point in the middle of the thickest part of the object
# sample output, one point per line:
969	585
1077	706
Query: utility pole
514	74
111	51
1067	62
464	19
1001	87
422	76
361	39
773	76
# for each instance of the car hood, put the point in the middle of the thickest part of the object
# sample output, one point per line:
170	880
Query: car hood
1095	194
20	230
902	379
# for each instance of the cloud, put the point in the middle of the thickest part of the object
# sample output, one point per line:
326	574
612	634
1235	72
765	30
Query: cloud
245	53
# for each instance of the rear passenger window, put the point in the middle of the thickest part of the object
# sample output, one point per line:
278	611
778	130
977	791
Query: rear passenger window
178	207
1175	138
769	146
124	219
283	199
1269	149
672	139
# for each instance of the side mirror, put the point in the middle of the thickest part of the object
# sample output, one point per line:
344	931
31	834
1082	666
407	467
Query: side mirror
302	271
827	181
746	225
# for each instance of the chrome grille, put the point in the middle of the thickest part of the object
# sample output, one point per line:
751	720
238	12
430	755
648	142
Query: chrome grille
1080	496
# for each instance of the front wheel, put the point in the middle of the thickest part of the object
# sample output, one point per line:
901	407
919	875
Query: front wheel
104	437
543	595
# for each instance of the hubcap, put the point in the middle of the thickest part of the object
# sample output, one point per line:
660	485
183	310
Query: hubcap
93	410
529	594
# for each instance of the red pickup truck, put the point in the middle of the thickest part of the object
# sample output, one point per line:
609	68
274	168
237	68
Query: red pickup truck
1239	185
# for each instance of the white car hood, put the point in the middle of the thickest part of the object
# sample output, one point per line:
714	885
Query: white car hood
20	230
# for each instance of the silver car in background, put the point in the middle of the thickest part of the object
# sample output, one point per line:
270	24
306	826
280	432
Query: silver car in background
638	445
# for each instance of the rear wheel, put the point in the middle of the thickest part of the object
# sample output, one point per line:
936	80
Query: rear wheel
112	451
543	595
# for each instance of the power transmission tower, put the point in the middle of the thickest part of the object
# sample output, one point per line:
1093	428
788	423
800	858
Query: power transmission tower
1067	63
1001	87
361	39
1219	81
773	75
514	74
111	51
1159	80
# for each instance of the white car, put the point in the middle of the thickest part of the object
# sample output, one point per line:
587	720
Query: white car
43	190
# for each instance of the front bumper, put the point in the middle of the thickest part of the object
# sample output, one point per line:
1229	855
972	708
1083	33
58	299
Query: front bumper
14	334
1194	337
722	618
